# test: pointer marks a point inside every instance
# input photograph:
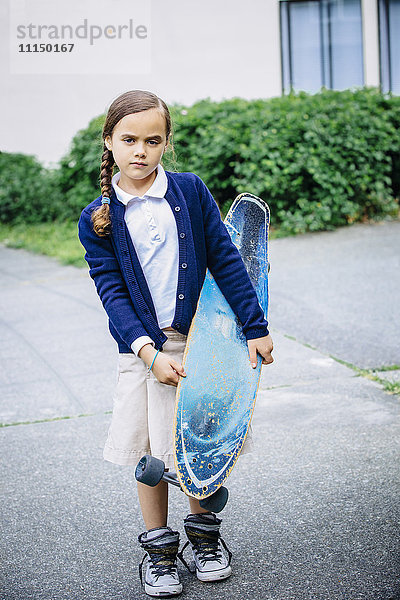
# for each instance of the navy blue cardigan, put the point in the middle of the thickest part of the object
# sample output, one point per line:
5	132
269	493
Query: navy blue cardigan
204	242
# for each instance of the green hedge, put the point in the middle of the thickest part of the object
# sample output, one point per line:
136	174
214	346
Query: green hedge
29	193
79	173
320	160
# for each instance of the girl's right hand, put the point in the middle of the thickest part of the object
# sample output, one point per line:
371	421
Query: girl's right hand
165	369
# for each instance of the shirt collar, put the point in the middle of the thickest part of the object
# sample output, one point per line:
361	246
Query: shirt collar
157	189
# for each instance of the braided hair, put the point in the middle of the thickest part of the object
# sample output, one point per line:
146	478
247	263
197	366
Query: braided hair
101	217
130	102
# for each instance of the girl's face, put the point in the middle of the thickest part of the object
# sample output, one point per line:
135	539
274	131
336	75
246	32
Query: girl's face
138	142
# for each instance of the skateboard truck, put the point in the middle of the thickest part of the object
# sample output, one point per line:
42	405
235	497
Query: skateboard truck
151	470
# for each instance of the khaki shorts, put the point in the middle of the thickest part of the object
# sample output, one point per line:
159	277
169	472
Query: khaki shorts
143	412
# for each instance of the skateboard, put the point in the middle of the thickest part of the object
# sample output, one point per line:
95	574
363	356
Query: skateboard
215	401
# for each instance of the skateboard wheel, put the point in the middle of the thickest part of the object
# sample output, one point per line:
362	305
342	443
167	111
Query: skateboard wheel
217	501
149	470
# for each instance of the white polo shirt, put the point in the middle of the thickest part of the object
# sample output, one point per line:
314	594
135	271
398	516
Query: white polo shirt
152	228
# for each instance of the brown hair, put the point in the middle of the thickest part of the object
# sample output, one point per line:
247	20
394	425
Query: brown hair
130	102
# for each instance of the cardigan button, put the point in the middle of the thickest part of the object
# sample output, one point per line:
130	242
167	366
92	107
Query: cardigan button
182	235
184	265
177	325
177	208
181	296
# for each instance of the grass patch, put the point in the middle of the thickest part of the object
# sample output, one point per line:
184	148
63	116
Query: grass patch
56	239
59	240
391	387
52	419
48	420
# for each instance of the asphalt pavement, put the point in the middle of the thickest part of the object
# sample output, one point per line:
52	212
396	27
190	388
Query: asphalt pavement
314	512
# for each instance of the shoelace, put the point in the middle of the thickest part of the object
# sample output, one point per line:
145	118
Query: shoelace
206	551
159	564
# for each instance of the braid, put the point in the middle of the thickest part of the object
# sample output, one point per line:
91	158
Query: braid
101	216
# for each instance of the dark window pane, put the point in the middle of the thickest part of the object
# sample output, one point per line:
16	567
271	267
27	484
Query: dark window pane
394	27
384	44
304	31
321	44
346	43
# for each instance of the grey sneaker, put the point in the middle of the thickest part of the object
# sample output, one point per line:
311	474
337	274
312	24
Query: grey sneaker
161	546
211	562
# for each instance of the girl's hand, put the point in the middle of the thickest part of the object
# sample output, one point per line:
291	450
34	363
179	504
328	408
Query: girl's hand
165	369
262	346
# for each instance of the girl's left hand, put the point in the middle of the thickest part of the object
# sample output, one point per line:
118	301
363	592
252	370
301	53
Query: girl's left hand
262	346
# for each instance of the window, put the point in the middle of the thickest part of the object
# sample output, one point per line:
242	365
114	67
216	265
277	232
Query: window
321	44
389	23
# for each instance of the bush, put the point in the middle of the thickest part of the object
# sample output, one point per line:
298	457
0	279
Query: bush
28	192
320	160
79	173
208	140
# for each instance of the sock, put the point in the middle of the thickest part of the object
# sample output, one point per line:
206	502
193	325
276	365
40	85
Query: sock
210	516
153	533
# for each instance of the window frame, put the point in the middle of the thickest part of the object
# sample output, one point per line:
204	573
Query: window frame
326	54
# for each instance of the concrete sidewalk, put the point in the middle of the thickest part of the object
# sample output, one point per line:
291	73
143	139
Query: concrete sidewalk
314	512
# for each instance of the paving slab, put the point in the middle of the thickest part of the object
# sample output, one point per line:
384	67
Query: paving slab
313	512
57	356
340	292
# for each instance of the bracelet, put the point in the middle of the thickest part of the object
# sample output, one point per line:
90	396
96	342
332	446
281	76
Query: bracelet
152	362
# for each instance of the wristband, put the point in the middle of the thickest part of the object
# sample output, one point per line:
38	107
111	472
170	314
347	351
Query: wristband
152	362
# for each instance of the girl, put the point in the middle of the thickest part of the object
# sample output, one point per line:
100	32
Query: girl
149	239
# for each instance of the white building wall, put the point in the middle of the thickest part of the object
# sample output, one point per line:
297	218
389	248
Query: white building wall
213	48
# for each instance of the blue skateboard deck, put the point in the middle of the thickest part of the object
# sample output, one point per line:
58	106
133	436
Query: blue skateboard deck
215	401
